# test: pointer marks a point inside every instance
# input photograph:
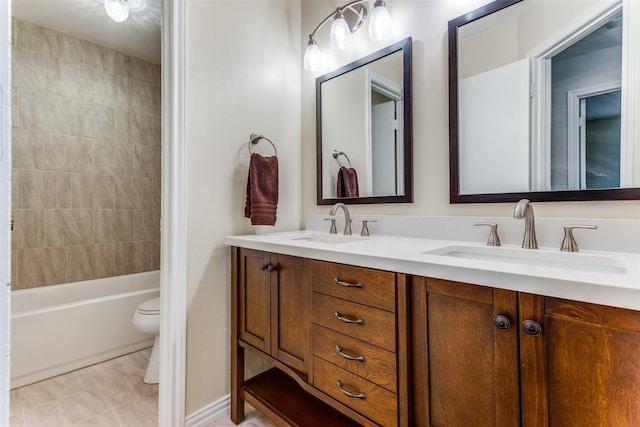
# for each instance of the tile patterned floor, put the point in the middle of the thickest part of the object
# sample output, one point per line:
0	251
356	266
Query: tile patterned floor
109	394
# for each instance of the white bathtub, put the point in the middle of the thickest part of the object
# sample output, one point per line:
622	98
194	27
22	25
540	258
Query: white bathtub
56	329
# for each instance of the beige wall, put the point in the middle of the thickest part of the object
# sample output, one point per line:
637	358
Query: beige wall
243	75
426	22
86	160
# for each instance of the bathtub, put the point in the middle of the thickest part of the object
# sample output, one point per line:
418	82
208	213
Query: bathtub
59	328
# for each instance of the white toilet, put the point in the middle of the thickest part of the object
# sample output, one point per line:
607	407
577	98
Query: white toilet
147	319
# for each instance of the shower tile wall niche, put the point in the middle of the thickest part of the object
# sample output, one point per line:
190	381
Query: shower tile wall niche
86	160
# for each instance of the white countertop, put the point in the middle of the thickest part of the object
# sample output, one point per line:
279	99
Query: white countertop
406	255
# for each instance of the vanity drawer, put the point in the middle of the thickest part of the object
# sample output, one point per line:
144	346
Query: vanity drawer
375	402
365	323
372	363
364	285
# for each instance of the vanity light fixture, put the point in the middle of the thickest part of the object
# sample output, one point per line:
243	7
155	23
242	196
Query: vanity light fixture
347	19
118	10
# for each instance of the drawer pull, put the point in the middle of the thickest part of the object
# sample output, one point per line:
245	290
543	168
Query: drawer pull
339	282
348	356
347	320
348	393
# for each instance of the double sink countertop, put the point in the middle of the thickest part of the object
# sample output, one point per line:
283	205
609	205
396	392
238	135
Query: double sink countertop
608	278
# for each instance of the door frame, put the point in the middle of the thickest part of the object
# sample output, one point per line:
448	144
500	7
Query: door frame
173	252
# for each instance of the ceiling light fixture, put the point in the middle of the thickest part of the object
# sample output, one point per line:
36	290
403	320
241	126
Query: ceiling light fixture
118	10
346	20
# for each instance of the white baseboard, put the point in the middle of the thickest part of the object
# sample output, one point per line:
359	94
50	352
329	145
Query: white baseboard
209	413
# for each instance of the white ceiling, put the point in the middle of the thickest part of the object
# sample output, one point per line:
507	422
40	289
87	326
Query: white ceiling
139	35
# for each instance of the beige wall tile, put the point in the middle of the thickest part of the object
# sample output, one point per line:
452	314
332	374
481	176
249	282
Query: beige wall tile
147	98
39	111
92	121
15	107
156	194
14	268
146	161
156	75
94	55
67	227
27	148
114	91
27	69
112	159
133	67
134	128
91	262
28	230
133	193
42	266
15	188
69	153
112	225
41	190
69	79
157	132
13	30
133	257
42	40
155	255
93	191
146	224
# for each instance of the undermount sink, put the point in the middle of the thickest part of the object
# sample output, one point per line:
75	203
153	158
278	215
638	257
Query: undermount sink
329	238
539	258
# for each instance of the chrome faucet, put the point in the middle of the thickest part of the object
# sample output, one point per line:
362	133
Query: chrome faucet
347	216
524	210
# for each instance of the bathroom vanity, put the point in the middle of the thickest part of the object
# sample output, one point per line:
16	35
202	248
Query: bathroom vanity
393	331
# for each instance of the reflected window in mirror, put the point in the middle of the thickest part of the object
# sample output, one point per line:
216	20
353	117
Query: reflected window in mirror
539	107
363	126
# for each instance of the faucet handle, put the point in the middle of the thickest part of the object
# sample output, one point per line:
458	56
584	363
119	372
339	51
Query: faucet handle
493	239
365	228
569	244
333	229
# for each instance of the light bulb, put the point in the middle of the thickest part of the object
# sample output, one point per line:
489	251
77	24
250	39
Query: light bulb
340	32
117	9
312	56
379	22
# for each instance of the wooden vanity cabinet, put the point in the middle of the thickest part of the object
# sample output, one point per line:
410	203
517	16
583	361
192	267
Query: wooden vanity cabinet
545	362
292	312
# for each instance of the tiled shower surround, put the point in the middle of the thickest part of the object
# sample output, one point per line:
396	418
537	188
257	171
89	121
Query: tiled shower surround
86	160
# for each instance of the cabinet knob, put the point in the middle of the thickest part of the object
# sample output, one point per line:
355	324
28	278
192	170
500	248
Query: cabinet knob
531	327
347	356
502	322
268	267
339	282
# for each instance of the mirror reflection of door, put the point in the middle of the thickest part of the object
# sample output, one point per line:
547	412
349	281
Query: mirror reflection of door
386	142
595	143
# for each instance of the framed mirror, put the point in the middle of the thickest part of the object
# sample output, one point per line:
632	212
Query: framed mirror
541	102
363	130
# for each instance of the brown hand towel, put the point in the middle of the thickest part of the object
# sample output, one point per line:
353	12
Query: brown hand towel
262	190
347	183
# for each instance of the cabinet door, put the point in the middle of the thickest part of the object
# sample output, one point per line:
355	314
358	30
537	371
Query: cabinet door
254	299
468	375
583	369
291	314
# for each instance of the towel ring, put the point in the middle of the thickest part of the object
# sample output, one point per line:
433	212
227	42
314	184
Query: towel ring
254	139
336	154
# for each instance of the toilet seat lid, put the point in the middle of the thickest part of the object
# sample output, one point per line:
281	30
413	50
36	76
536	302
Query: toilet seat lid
151	306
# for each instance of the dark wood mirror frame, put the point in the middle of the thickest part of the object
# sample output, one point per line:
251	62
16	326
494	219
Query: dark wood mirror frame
454	177
407	197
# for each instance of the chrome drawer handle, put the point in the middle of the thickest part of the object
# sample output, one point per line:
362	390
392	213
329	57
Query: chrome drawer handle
348	356
339	282
347	320
348	393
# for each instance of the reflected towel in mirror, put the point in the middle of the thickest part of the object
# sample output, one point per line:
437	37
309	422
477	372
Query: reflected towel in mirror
347	185
262	190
